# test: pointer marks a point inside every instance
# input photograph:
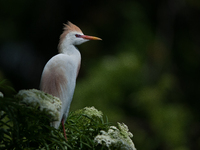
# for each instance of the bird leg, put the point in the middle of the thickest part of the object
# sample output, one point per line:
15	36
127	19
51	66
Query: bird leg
64	128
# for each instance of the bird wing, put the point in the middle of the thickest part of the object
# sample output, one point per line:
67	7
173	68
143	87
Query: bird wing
53	78
59	79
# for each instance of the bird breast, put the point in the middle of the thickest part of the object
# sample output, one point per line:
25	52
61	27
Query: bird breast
59	76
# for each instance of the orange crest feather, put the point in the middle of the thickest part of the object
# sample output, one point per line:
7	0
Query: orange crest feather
69	27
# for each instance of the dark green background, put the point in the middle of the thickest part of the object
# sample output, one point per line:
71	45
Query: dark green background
144	73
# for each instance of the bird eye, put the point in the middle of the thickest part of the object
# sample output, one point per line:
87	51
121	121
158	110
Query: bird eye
78	35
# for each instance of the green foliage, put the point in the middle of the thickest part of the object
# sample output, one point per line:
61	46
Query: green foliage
82	128
25	127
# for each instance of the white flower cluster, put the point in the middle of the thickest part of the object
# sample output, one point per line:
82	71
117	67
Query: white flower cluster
1	94
92	111
118	138
45	101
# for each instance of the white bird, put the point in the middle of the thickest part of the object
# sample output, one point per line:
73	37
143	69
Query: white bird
60	72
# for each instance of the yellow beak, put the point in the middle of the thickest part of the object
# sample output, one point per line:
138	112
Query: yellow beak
90	37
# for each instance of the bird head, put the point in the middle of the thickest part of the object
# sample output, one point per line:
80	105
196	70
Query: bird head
72	35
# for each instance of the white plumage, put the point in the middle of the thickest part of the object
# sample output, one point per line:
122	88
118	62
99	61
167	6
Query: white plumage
60	72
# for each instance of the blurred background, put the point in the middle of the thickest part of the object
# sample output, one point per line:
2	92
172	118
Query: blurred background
144	73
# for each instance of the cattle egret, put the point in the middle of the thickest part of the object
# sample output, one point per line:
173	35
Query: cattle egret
60	72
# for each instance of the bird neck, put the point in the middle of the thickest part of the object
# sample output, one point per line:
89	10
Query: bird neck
70	50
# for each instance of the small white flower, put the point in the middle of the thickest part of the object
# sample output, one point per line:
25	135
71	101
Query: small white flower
123	127
104	139
92	111
113	127
45	101
119	138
